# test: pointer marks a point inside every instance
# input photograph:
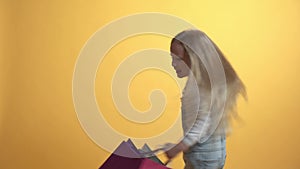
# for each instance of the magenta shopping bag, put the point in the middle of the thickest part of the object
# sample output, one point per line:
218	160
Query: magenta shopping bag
131	159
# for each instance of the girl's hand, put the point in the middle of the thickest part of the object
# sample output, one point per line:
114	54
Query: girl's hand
171	153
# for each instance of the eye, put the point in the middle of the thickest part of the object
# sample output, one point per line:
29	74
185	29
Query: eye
177	58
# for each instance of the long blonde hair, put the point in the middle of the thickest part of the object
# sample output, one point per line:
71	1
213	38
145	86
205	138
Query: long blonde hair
198	43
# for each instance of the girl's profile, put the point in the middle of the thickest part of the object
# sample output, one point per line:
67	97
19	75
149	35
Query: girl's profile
207	105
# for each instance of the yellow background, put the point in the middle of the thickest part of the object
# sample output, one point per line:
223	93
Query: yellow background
40	42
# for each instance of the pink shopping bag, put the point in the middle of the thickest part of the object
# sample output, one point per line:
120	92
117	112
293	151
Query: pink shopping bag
127	156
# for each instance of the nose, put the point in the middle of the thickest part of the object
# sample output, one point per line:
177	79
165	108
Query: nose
173	63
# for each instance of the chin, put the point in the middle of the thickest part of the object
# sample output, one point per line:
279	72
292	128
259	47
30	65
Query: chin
180	76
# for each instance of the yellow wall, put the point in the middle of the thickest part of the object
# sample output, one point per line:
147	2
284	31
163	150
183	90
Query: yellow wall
41	40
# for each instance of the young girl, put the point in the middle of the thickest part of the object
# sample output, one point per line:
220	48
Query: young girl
208	100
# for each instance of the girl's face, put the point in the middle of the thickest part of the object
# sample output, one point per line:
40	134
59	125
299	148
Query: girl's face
180	59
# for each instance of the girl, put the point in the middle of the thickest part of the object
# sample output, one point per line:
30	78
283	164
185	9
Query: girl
208	100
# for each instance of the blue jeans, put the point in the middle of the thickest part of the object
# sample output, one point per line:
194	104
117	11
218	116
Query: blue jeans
208	155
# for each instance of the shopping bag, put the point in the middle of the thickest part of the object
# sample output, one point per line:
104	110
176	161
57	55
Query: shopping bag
151	156
127	156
